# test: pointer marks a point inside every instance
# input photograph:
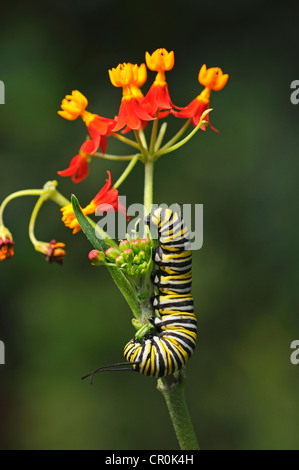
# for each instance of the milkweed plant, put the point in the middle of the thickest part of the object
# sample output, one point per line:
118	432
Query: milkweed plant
151	267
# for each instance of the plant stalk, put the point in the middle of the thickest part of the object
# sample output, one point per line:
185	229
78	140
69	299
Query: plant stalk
172	388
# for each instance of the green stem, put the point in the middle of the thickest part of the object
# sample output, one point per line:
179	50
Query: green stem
107	156
172	388
160	136
142	149
35	211
124	139
174	139
59	199
170	148
142	138
127	171
25	192
148	186
154	134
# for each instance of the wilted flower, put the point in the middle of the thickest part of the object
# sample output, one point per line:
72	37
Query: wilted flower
6	244
54	251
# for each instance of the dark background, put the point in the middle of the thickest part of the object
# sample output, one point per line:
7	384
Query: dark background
59	323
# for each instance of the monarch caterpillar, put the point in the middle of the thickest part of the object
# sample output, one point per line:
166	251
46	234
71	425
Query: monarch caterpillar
172	339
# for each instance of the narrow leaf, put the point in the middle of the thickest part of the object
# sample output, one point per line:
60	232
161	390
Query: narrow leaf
125	286
87	227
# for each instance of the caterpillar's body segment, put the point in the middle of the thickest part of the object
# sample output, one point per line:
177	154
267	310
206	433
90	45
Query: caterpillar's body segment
176	327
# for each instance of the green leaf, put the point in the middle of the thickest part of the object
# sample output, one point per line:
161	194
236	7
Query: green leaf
123	283
87	227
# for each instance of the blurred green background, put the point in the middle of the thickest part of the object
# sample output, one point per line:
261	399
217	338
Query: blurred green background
59	323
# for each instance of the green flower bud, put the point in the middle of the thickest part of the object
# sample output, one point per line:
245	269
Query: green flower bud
136	245
136	260
128	254
146	244
119	261
134	270
143	267
97	257
112	253
124	244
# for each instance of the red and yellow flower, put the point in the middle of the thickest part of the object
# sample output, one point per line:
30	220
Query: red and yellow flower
6	244
74	105
212	79
106	198
157	98
131	112
79	165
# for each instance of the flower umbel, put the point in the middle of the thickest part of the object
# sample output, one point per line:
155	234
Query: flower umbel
6	244
131	256
106	199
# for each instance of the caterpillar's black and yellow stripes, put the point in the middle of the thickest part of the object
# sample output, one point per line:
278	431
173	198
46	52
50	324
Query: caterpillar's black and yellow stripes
176	328
171	341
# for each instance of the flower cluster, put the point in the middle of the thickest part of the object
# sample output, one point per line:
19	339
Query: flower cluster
131	256
136	109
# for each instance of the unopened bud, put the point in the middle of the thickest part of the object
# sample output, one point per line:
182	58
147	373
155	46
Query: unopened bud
119	260
146	244
136	260
143	266
134	270
97	257
124	244
112	253
128	254
136	245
